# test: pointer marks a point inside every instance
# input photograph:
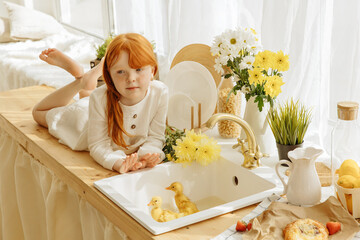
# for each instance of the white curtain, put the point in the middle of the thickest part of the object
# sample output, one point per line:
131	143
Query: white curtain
345	53
297	27
36	205
320	36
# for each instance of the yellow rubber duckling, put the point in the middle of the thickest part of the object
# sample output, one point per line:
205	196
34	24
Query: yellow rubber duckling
162	215
182	202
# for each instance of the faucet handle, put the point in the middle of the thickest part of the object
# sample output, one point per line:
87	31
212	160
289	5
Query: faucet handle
251	160
241	144
259	154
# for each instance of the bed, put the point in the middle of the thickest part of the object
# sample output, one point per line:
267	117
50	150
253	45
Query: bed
27	32
21	67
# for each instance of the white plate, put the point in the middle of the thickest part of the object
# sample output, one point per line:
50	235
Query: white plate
196	81
179	111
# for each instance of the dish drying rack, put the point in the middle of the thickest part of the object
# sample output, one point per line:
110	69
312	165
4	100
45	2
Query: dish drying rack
192	121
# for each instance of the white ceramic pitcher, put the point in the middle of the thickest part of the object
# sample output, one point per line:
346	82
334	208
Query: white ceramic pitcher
303	186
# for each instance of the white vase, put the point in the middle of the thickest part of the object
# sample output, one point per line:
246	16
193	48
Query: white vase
257	121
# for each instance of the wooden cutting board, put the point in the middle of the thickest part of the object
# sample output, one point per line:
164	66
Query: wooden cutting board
324	173
198	53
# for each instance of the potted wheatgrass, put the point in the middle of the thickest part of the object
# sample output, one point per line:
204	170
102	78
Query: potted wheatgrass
289	122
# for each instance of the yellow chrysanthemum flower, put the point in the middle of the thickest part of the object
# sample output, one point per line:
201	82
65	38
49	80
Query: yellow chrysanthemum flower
256	76
281	61
195	147
264	59
193	136
207	152
185	148
273	85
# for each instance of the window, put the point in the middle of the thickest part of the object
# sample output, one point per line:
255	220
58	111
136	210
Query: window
90	16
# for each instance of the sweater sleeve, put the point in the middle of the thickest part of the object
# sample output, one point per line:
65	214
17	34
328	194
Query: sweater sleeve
98	139
156	135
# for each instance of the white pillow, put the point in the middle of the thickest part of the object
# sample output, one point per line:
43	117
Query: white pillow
27	23
4	30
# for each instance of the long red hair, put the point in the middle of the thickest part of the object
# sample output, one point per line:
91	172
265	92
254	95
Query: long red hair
141	54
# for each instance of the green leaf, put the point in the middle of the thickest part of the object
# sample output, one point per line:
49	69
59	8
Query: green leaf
270	100
236	88
171	135
260	101
228	75
101	49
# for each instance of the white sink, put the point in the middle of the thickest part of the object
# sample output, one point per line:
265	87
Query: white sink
220	187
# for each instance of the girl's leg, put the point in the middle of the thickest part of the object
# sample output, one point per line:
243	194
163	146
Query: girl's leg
57	58
90	79
64	95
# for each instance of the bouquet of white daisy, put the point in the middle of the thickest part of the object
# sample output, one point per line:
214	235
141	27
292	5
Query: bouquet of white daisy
238	54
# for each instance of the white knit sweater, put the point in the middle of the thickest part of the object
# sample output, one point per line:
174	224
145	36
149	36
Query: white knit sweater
144	121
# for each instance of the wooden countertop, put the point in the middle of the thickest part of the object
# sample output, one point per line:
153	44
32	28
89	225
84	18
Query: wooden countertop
79	170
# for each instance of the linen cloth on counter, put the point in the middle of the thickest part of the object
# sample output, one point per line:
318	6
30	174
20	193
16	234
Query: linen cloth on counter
20	65
232	234
35	204
73	126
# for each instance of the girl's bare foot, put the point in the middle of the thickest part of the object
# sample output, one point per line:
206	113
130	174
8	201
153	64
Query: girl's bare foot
89	80
57	58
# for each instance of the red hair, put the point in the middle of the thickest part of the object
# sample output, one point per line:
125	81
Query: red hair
141	54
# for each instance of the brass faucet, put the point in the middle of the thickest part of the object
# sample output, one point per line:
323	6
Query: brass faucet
251	152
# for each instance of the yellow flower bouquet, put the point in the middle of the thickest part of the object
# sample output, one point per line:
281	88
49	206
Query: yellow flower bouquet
257	73
193	147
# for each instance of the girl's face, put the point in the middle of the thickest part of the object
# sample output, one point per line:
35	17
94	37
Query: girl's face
132	84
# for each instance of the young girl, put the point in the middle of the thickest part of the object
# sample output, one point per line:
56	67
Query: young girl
122	123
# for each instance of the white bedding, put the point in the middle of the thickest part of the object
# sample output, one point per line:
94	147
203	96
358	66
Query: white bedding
21	67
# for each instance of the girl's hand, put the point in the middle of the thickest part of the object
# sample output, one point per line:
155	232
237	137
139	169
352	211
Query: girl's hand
150	160
130	164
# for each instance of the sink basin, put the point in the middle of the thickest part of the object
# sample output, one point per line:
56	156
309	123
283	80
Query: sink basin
220	187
